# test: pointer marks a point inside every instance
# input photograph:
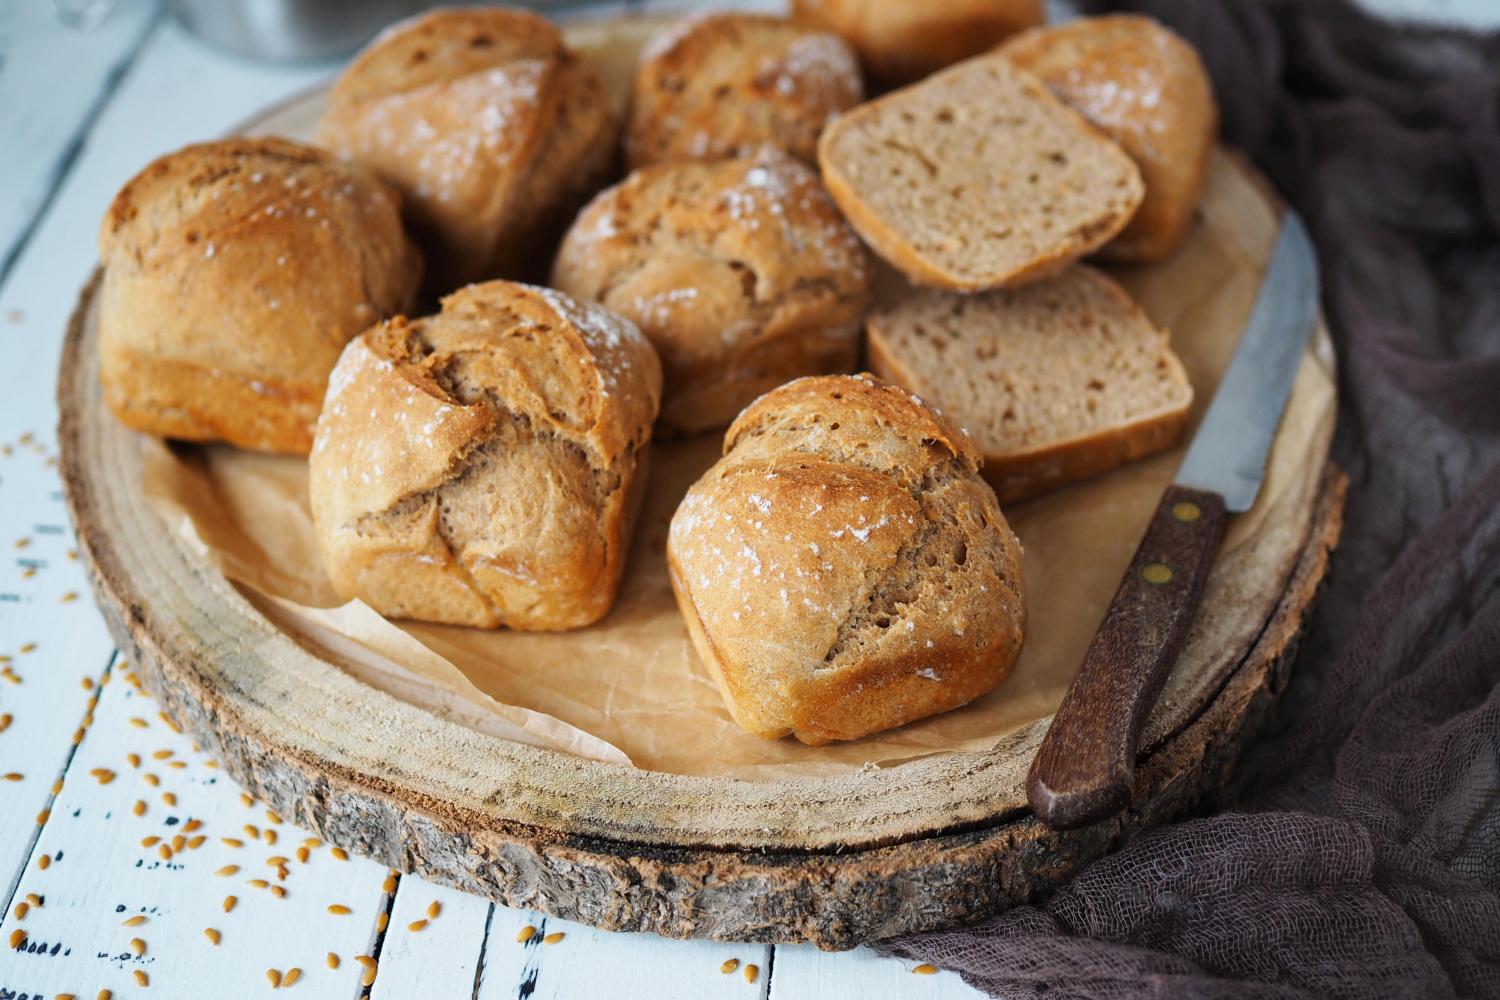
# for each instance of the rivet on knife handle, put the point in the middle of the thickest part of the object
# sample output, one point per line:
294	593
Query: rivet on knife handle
1085	768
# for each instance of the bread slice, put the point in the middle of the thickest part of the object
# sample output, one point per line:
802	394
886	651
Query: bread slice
978	178
1056	381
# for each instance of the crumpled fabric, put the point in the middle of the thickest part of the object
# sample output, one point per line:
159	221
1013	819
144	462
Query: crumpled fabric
1356	853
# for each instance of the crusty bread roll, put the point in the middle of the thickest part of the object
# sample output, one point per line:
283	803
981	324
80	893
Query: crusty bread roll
843	568
1146	87
234	273
483	466
723	84
899	41
1061	379
490	126
741	272
977	178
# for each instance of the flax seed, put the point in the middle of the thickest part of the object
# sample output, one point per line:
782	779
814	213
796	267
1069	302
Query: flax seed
339	909
332	960
554	937
141	979
416	926
139	808
134	921
382	921
17	938
273	976
751	971
21	910
170	798
44	862
133	759
231	842
292	975
340	854
433	909
229	902
924	969
730	964
138	946
526	934
227	871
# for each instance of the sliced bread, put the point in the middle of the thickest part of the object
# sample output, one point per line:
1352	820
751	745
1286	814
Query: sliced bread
1059	380
978	178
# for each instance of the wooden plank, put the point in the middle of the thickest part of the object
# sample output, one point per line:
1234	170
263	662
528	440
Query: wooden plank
589	964
53	78
431	956
106	855
803	971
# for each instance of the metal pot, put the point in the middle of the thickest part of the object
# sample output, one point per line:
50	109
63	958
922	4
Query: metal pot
291	30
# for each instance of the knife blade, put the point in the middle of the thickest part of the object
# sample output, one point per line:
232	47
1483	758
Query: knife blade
1084	769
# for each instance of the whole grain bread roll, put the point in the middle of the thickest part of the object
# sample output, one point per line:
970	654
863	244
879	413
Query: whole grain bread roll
493	129
234	274
843	568
1147	89
899	41
484	466
741	272
724	84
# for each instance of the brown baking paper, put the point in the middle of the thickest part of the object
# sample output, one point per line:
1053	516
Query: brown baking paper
631	688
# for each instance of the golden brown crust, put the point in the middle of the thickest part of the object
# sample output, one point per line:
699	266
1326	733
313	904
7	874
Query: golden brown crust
741	272
916	233
483	466
899	41
1147	89
715	85
488	124
843	569
235	272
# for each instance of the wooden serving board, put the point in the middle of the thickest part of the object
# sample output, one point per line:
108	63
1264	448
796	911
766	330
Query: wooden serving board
839	860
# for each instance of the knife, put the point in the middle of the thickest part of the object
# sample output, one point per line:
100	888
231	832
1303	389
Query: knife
1083	772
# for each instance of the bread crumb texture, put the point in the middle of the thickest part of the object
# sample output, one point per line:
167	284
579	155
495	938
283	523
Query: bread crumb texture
741	272
978	178
724	84
483	466
843	568
1056	380
234	274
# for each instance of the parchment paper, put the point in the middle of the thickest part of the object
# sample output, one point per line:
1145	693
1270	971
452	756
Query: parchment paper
630	688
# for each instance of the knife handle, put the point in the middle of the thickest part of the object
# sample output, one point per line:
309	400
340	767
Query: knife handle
1084	769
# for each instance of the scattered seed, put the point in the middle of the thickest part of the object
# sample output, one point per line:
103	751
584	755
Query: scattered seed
141	979
365	960
382	921
14	776
178	843
276	861
161	754
64	996
339	909
78	734
272	817
43	816
165	850
433	909
527	933
924	969
252	831
20	911
103	775
730	964
416	926
312	843
104	994
269	836
332	960
29	647
368	979
69	598
169	798
34	900
231	842
139	808
388	886
177	765
340	853
227	871
150	841
303	854
196	842
138	946
139	722
164	717
17	938
246	800
292	975
273	976
134	921
151	779
258	883
229	902
133	759
751	971
278	892
5	721
554	937
44	862
87	683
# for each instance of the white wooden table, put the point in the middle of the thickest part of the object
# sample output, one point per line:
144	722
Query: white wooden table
121	848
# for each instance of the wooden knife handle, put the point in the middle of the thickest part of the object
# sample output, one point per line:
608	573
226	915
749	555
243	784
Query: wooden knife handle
1084	769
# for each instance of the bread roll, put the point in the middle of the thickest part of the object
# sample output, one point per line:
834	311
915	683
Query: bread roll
977	178
1146	87
742	273
1062	379
491	127
724	84
234	273
843	568
483	466
899	41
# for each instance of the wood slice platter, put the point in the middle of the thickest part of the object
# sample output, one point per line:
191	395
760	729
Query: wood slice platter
835	860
